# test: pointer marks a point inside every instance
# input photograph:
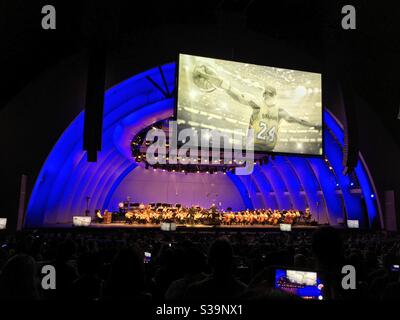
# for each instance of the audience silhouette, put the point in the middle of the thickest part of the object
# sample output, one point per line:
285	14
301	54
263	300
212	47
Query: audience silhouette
194	266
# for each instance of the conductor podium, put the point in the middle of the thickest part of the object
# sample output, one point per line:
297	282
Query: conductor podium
107	217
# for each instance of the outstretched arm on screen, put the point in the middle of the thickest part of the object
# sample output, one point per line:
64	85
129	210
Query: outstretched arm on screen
286	116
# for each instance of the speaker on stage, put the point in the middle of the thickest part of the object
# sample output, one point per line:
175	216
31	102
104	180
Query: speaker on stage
350	148
100	28
93	123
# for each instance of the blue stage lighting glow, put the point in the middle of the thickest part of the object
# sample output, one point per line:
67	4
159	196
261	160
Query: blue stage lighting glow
66	178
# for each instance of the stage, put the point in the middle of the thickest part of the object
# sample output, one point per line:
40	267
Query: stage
180	227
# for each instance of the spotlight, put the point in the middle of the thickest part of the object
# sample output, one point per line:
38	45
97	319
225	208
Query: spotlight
352	184
372	195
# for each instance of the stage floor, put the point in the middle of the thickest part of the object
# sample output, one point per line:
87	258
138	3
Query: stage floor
121	225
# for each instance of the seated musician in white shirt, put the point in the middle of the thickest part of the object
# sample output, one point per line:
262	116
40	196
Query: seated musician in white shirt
99	218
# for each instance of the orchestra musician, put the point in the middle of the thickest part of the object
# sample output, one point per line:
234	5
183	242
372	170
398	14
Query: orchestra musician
307	215
289	217
275	217
129	217
145	214
98	218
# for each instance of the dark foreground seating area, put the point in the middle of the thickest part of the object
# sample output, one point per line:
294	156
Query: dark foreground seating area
193	266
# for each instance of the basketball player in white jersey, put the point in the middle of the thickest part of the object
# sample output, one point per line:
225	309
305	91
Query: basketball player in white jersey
266	114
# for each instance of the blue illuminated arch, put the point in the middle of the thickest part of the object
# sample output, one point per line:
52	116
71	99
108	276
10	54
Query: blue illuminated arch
66	178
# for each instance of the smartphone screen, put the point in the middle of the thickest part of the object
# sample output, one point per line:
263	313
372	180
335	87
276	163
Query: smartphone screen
395	267
147	257
304	284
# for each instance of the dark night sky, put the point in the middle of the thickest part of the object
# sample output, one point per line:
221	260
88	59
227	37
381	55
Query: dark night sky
372	51
368	57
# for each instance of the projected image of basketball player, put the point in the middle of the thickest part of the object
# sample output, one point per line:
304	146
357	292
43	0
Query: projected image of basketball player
266	114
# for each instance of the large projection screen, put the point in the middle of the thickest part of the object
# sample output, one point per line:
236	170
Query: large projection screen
283	107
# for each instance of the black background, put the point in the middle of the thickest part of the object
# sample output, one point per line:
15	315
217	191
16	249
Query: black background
368	57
